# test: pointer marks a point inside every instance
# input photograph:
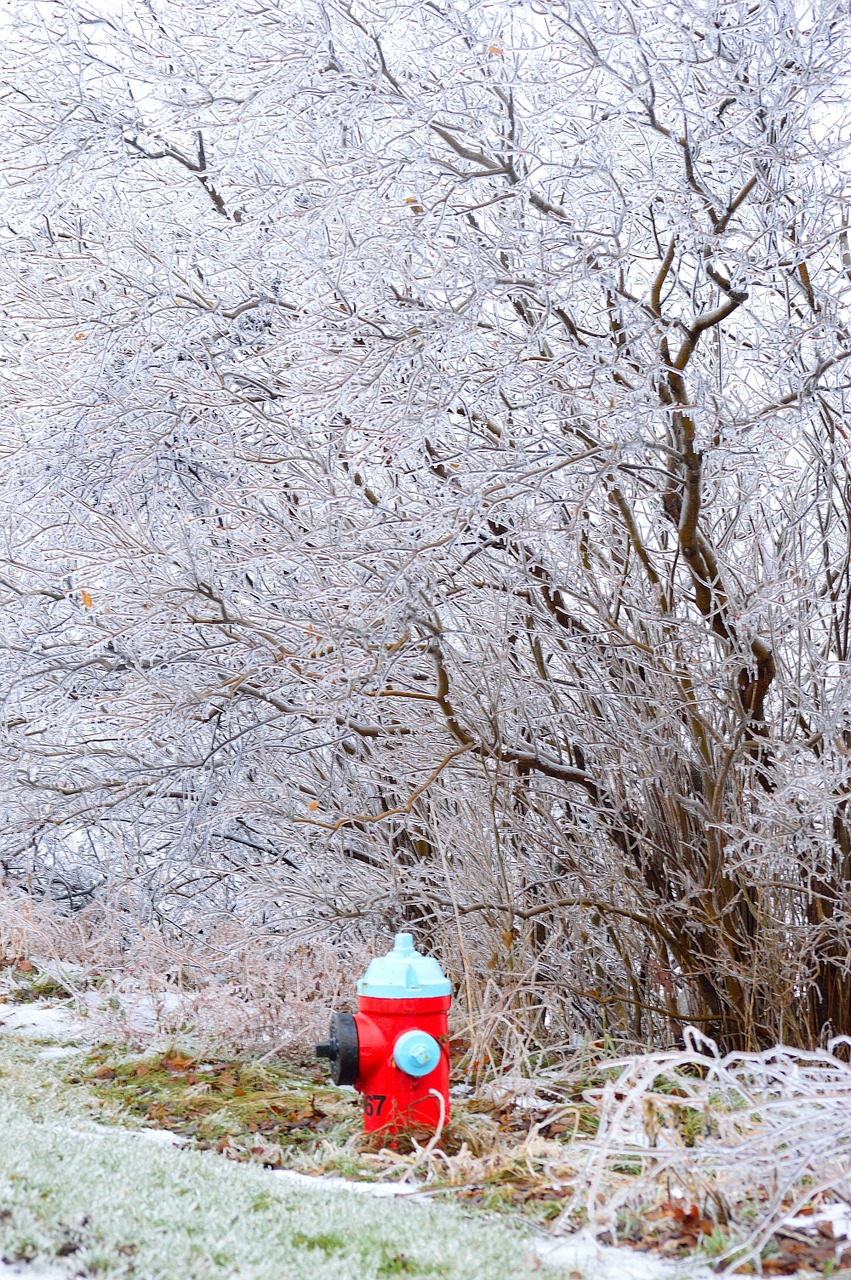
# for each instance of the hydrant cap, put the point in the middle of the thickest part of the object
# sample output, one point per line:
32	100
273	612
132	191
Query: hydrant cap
404	974
416	1053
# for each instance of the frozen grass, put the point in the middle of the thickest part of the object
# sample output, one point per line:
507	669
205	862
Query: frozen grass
247	993
107	1202
749	1140
684	1151
693	1153
119	1206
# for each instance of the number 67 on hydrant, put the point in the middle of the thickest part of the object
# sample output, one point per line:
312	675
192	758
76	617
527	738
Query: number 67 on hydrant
395	1049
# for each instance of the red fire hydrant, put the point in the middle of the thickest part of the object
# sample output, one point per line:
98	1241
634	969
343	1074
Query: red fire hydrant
395	1049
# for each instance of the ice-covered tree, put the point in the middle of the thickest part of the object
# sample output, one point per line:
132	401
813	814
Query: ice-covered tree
426	487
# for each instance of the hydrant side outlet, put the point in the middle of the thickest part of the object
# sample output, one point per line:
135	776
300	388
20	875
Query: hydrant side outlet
341	1049
416	1053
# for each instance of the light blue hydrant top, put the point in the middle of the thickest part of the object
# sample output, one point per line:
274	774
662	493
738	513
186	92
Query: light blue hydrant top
404	974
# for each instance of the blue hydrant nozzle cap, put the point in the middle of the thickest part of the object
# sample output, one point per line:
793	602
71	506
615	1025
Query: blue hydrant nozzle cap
416	1053
404	974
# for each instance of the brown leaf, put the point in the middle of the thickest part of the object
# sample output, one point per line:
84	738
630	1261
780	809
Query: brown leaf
657	1214
671	1245
176	1062
779	1266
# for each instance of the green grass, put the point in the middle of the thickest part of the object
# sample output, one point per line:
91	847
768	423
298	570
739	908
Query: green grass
103	1201
264	1113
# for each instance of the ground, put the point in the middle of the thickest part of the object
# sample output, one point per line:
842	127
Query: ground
124	1160
97	1199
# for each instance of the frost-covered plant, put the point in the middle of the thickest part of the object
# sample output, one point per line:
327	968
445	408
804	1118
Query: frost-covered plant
775	1136
425	475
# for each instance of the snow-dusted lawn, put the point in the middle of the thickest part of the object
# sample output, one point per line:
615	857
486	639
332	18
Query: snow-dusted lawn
80	1198
114	1203
86	1189
77	1197
119	1205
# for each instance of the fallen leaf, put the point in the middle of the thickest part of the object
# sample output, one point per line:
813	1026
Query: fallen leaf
176	1062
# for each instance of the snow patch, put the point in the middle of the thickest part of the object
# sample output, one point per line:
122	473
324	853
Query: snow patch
837	1214
48	1020
50	1052
581	1256
380	1189
10	1270
163	1137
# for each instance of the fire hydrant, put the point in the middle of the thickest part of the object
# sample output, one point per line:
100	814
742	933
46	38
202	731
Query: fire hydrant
395	1049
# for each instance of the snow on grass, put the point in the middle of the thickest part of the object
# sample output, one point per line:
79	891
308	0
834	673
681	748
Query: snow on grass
89	1199
24	1271
744	1157
111	1204
45	1021
116	1202
582	1255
